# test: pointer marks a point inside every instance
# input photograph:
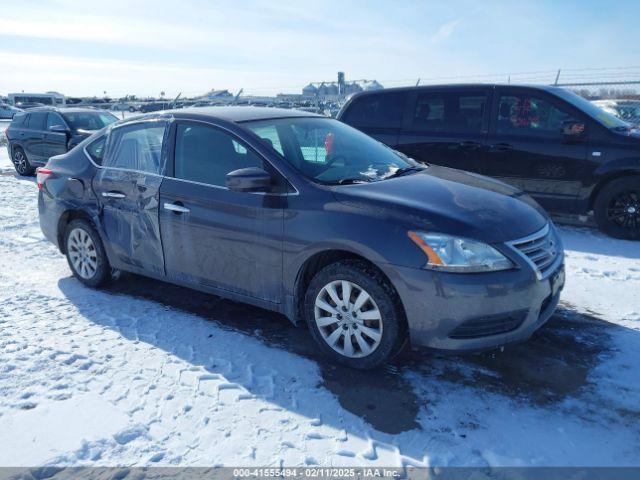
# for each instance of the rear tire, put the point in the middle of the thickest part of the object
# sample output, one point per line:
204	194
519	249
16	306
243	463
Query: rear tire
358	306
617	208
21	163
85	254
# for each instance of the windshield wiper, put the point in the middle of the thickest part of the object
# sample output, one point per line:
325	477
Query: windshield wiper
405	170
350	181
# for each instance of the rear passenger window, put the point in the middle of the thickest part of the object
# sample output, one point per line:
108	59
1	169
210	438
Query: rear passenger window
18	119
449	112
96	149
381	110
205	155
137	147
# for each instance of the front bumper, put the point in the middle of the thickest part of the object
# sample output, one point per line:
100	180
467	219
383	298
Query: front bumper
467	312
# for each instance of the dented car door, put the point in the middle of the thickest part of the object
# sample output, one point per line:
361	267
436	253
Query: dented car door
127	187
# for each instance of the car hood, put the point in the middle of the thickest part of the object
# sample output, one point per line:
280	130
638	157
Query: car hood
446	200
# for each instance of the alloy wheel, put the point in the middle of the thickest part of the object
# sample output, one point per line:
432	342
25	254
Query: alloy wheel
20	161
82	253
348	319
624	210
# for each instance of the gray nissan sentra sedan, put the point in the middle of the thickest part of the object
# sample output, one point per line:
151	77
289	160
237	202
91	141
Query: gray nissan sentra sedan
306	216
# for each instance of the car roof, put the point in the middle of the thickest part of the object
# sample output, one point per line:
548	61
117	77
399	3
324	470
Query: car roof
240	114
65	109
466	86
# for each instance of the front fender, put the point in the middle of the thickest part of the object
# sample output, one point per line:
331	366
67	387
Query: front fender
626	164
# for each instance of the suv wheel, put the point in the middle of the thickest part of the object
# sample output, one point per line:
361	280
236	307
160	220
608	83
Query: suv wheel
21	163
86	255
617	208
353	315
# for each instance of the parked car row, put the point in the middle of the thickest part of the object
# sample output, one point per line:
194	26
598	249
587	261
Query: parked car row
571	156
7	112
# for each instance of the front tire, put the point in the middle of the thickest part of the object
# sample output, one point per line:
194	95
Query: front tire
617	208
85	254
21	163
353	314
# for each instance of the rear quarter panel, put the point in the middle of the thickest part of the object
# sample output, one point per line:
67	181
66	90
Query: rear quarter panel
68	192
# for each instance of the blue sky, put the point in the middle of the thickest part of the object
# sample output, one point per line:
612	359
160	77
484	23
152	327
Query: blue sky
144	47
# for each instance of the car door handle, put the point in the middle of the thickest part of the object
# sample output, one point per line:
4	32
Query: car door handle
113	195
501	147
174	207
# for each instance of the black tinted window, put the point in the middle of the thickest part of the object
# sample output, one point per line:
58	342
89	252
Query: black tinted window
96	149
18	119
137	147
54	120
37	120
377	110
206	155
449	112
89	120
532	116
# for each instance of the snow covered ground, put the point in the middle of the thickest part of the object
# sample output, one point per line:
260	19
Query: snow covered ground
151	374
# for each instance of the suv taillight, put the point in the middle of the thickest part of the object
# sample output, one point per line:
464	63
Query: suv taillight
42	174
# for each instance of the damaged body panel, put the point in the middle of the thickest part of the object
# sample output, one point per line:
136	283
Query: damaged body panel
127	188
129	215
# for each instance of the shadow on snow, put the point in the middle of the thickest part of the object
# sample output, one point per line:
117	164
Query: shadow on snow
554	364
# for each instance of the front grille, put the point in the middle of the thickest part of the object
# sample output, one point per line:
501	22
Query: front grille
486	326
540	250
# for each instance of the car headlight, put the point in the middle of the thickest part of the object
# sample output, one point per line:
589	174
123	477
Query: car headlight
455	254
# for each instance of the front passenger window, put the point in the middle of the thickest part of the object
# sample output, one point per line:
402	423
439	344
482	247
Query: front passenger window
532	116
54	120
205	155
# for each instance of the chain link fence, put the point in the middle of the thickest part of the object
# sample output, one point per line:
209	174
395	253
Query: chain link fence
616	90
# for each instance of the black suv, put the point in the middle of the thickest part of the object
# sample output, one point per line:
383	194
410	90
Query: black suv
40	133
570	155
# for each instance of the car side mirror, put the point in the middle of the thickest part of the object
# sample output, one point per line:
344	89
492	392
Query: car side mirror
248	180
58	129
572	130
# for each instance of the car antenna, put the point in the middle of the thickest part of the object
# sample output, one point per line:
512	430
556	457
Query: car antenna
173	103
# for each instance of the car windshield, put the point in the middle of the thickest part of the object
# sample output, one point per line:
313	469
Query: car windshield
328	151
89	120
605	118
629	112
